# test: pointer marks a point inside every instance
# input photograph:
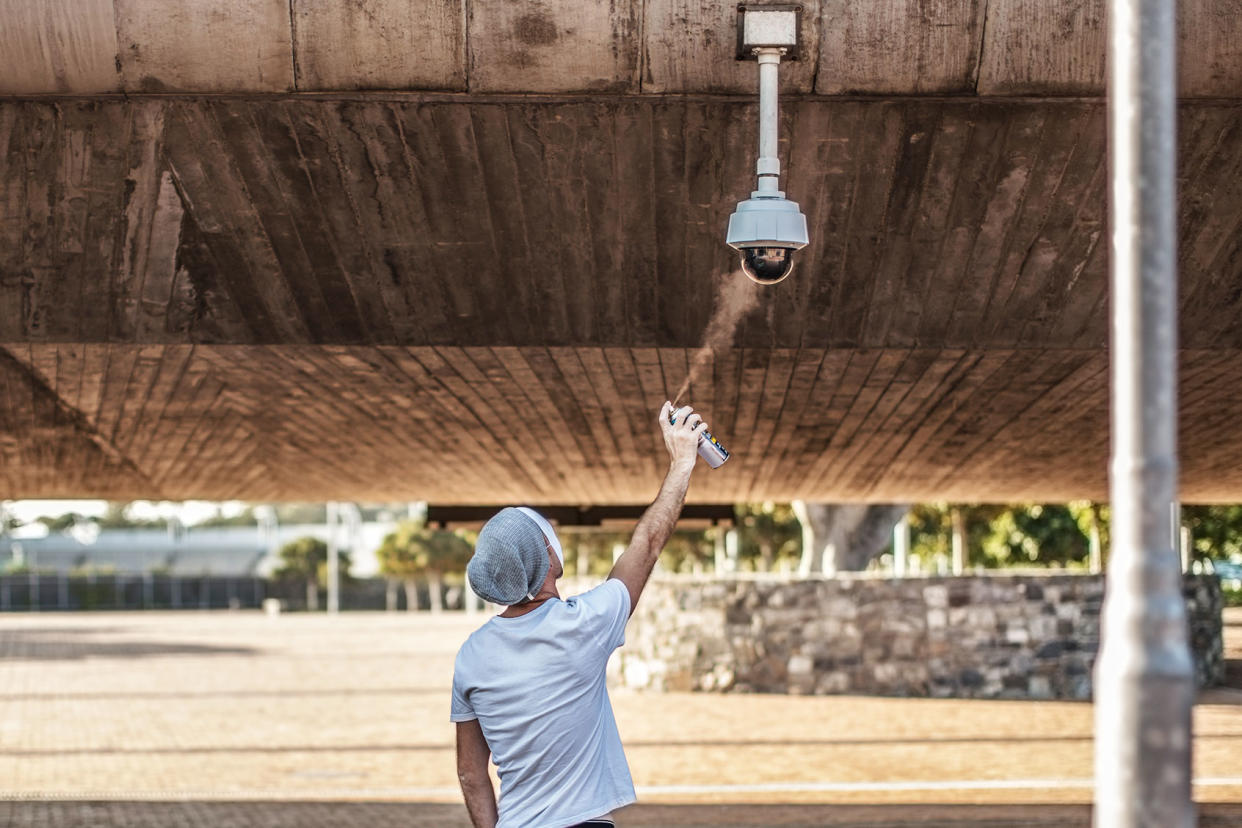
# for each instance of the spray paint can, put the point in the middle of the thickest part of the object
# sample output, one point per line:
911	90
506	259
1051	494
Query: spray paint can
710	448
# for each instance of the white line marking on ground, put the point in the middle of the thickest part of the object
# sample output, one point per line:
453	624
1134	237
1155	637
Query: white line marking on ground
413	793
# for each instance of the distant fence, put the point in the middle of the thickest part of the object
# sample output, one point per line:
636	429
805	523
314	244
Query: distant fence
34	592
52	592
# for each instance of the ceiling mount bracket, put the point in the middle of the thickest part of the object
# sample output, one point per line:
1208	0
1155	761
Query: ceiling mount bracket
769	26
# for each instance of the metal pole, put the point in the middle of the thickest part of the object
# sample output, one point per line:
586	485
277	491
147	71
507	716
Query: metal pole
1144	685
768	167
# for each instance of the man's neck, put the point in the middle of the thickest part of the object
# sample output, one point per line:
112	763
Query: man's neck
535	603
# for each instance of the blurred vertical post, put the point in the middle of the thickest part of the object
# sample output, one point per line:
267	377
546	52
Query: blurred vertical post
1144	681
334	563
958	541
901	546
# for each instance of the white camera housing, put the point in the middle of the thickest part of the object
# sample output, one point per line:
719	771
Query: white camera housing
766	229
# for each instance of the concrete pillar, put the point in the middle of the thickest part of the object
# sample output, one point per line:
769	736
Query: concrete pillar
718	550
901	547
334	561
959	542
731	550
1095	555
582	557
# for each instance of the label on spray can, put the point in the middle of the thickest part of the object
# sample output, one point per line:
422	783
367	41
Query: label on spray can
710	448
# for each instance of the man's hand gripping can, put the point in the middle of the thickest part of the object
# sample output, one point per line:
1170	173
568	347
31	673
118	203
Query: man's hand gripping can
709	447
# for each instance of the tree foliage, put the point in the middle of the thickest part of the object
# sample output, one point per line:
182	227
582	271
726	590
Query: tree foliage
767	533
415	550
1000	535
1216	531
246	517
307	558
1046	534
688	551
117	515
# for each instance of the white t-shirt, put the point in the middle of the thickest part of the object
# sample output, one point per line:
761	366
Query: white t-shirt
536	685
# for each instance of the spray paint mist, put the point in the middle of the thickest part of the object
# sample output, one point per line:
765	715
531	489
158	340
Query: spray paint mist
736	296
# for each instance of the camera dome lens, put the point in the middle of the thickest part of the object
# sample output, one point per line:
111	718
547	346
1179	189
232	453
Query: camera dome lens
767	265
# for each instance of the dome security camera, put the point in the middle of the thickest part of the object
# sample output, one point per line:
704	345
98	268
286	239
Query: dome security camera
766	230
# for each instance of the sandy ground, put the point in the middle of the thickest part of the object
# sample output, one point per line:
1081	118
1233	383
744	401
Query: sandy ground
189	712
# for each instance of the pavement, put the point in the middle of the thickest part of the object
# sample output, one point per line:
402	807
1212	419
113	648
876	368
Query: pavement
237	719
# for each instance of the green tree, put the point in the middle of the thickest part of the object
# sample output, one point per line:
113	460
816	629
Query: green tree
1215	531
289	514
767	532
307	559
1092	518
448	552
117	516
1044	534
61	523
931	529
686	551
244	518
403	557
415	551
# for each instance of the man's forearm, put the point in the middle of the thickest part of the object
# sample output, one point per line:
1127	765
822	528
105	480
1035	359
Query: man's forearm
653	531
480	802
660	519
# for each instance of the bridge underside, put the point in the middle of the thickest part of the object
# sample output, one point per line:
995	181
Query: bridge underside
486	299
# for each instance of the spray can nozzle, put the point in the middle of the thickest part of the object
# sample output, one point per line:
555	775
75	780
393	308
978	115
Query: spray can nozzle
710	449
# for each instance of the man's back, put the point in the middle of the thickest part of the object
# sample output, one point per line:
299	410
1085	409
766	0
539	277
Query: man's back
535	683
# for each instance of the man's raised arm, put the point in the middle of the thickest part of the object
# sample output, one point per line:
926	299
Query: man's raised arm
634	566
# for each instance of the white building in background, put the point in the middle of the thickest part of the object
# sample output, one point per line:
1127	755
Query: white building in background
177	550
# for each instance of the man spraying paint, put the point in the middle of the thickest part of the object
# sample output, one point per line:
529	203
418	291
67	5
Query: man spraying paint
528	686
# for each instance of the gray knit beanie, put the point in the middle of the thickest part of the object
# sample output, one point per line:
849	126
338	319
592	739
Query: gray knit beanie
510	559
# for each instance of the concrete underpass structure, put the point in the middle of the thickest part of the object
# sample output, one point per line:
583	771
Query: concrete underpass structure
461	252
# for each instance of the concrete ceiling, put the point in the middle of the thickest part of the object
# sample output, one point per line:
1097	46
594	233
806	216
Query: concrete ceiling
480	296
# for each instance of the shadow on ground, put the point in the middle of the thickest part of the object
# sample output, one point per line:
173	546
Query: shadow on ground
71	645
76	814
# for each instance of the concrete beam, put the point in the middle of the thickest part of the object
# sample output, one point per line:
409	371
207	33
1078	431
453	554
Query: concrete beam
379	44
204	45
581	47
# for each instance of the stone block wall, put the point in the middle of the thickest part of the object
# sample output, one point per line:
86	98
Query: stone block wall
993	636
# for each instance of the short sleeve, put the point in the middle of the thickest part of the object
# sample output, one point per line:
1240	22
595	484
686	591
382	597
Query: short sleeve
462	710
606	608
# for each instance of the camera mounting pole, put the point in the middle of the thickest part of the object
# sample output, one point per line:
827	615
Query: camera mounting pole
768	167
767	229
